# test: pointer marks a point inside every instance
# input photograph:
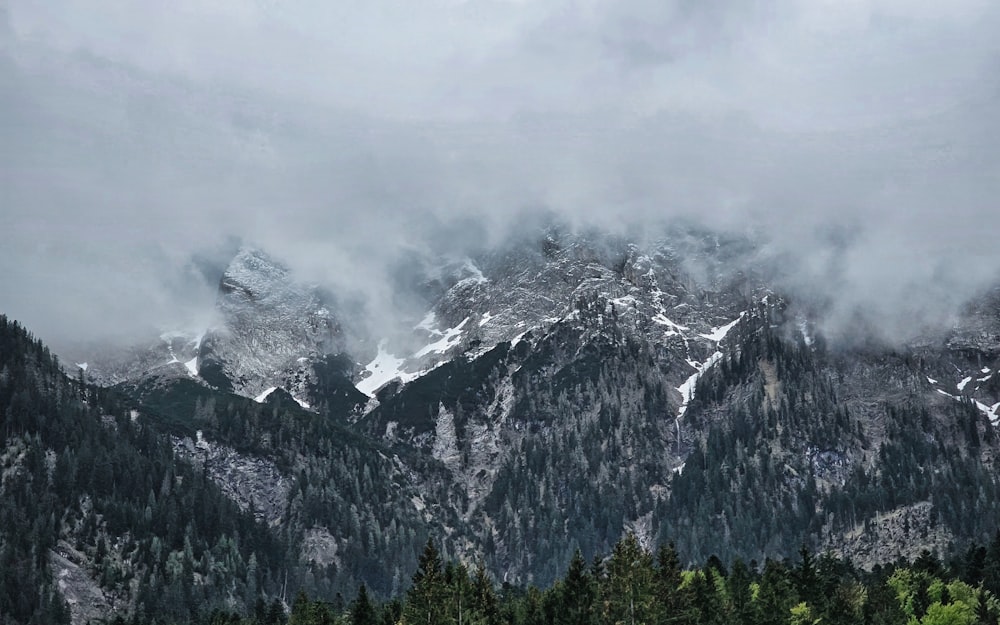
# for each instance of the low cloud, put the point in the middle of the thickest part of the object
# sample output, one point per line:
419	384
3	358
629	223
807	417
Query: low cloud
334	134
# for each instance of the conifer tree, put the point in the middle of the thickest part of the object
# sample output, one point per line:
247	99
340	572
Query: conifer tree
362	610
577	594
631	584
673	599
485	606
426	600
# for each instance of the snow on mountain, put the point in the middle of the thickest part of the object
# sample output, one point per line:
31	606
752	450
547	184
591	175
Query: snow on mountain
533	282
448	338
717	334
590	346
384	368
173	352
260	399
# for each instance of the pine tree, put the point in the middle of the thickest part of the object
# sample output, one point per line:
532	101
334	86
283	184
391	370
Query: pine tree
630	596
426	601
673	600
362	610
485	609
577	594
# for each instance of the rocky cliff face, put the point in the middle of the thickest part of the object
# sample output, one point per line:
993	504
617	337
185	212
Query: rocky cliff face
271	327
680	291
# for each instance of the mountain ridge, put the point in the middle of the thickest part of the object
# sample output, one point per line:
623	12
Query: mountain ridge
567	389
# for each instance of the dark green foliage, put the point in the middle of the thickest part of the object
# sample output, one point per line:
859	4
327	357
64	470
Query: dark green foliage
577	600
343	481
212	372
426	599
778	452
780	418
331	387
82	472
635	589
454	385
362	610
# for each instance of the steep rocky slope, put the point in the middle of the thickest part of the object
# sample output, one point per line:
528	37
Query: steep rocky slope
270	326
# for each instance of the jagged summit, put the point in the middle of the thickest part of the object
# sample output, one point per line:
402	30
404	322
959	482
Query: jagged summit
254	274
270	326
678	290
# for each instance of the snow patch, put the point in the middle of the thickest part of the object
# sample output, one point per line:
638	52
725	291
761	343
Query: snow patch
931	380
806	336
383	369
260	398
624	302
196	341
687	388
661	319
989	411
449	338
192	366
517	339
961	385
720	333
82	365
486	319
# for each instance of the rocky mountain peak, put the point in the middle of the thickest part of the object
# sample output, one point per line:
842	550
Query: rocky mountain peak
271	326
253	274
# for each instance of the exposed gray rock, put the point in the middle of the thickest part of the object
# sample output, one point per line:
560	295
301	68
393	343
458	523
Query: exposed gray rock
900	533
252	482
169	353
319	547
268	322
670	291
85	597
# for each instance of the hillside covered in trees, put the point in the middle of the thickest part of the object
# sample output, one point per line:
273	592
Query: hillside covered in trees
634	586
85	485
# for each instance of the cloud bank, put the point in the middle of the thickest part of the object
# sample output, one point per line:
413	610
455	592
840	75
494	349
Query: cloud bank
135	135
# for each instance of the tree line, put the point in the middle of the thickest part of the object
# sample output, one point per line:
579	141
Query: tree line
636	586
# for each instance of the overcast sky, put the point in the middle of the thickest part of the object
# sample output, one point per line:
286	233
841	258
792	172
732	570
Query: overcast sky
134	134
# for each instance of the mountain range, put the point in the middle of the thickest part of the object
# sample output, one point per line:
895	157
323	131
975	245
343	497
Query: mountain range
546	394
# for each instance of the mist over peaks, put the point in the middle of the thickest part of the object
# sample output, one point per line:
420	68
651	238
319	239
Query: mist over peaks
855	144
